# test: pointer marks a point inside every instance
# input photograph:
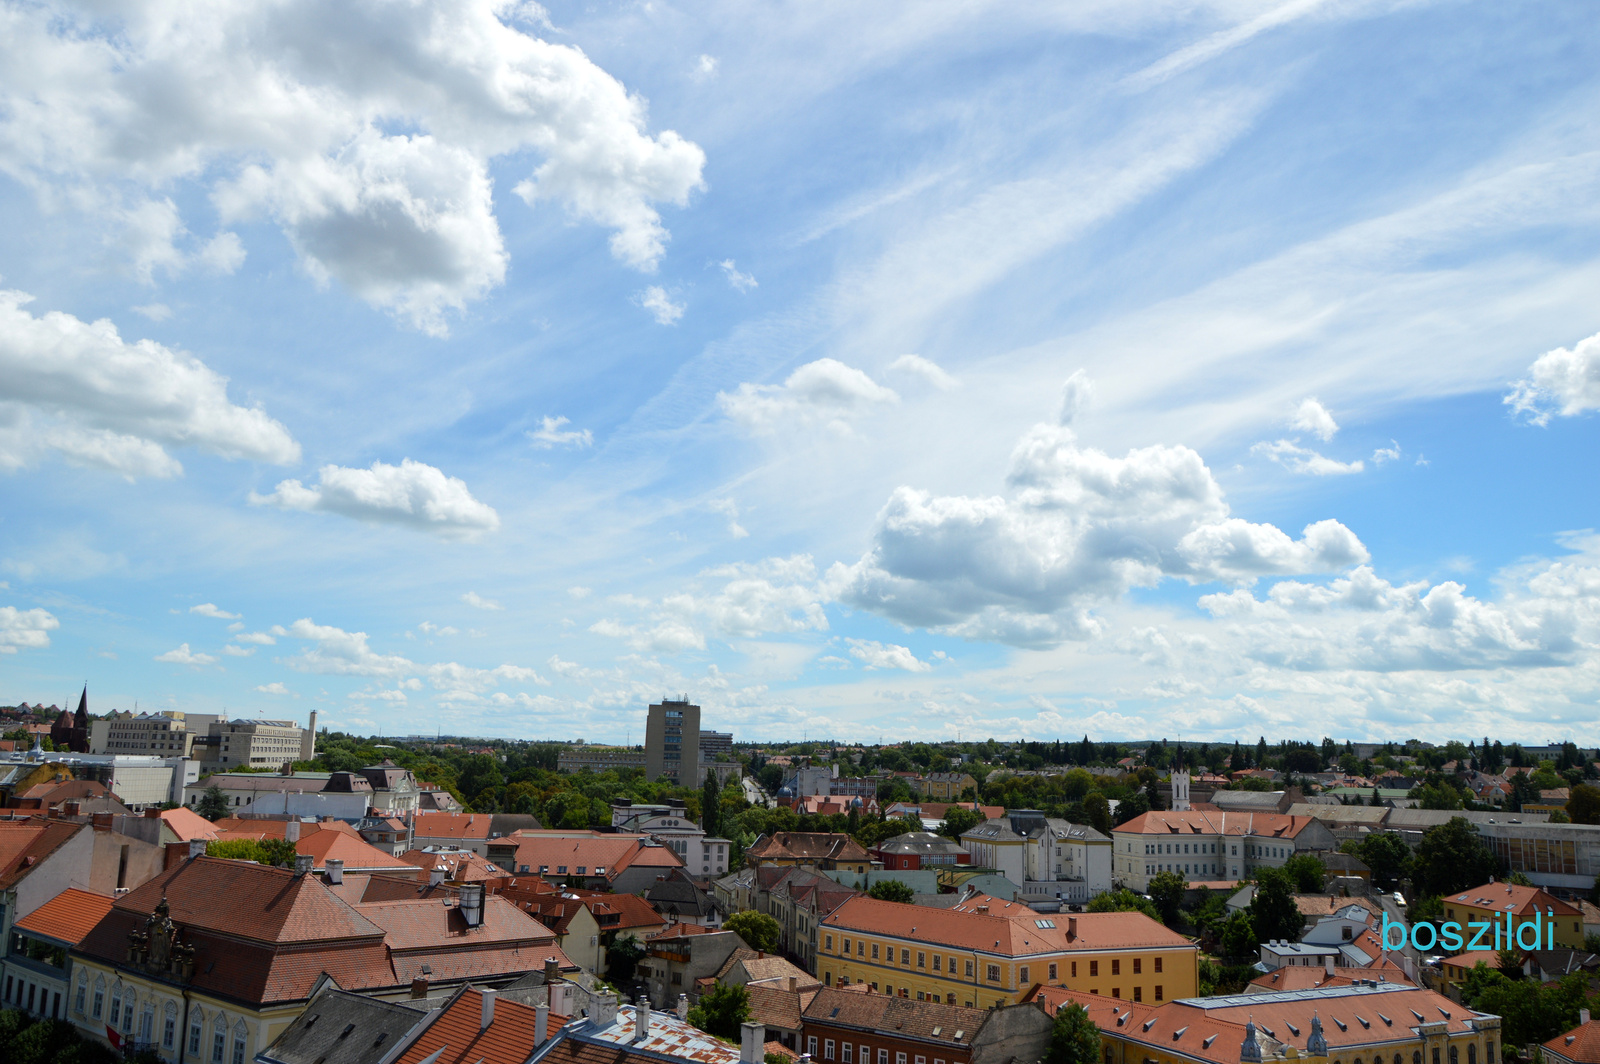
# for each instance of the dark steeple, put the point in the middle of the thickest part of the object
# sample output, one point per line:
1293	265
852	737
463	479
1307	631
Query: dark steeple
81	719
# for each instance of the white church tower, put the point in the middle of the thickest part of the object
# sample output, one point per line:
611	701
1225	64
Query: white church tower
1180	789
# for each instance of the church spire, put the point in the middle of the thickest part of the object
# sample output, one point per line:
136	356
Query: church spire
82	717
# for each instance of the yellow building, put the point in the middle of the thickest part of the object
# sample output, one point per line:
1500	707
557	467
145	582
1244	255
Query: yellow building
990	952
1560	923
1374	1023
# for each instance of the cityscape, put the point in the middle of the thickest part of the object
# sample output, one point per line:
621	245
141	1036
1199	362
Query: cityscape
773	532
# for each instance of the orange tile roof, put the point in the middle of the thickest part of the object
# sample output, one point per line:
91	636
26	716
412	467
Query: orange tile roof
458	1036
1009	928
1511	898
424	923
610	852
356	854
1302	977
67	917
187	824
450	825
1580	1045
460	866
1204	822
27	841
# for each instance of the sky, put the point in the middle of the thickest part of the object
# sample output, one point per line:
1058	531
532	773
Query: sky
878	372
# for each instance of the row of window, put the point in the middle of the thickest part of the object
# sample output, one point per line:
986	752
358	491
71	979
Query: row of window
992	972
847	1053
124	1006
1455	1055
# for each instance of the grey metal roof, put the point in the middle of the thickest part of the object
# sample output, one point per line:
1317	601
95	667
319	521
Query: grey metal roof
338	1027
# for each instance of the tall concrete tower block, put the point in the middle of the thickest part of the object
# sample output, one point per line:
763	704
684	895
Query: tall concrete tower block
672	742
308	739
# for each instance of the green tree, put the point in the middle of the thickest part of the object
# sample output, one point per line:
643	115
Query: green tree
213	803
1386	853
1306	872
1098	809
958	820
279	853
1239	941
1438	795
1074	1039
1583	807
1451	858
759	931
1273	912
892	890
1528	1011
1166	891
622	957
722	1010
711	805
1122	900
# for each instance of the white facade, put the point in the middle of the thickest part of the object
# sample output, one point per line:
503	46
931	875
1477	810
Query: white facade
1072	860
1180	792
702	855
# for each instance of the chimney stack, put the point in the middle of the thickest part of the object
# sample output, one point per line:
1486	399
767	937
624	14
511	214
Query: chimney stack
197	848
683	1006
641	1019
153	813
1583	1016
303	863
552	969
488	1009
752	1043
335	871
1072	929
436	877
541	1024
419	987
472	903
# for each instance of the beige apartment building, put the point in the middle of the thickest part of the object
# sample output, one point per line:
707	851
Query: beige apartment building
167	734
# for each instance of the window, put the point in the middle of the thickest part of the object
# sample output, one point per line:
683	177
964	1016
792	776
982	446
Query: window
1158	965
1472	1053
218	1039
83	992
861	948
883	1056
194	1033
1052	973
922	959
846	945
580	869
1116	967
936	959
969	967
922	1060
1094	969
1455	1055
1138	964
994	973
827	943
1022	976
905	957
169	1027
846	1051
811	1045
874	951
1159	995
1116	991
1138	993
827	1049
899	1058
888	989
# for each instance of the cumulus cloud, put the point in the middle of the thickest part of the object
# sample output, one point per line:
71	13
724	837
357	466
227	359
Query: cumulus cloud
550	434
258	638
921	369
182	655
274	688
211	609
1077	528
1563	381
78	389
660	305
886	656
477	601
29	629
1297	459
238	652
1311	416
366	133
411	494
336	652
822	392
743	282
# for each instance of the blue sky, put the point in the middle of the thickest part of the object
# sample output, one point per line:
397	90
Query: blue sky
1137	368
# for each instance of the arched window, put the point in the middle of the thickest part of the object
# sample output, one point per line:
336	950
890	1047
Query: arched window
169	1026
219	1038
197	1026
1358	1060
1397	1058
99	997
147	1023
1416	1057
1488	1052
240	1035
82	996
127	1010
116	1004
1472	1053
1455	1055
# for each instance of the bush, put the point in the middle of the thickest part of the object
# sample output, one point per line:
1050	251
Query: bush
892	890
721	1011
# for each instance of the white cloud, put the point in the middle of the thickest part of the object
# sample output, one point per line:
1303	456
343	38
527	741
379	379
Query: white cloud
29	629
366	133
154	311
1078	528
211	609
472	598
580	592
825	391
730	509
429	628
336	652
412	494
660	305
886	656
550	434
77	388
274	688
1311	416
919	368
705	66
237	652
1563	381
258	638
184	656
1077	396
741	281
1390	453
1297	459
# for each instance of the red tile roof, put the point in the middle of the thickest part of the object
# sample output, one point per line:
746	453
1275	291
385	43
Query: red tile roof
1202	822
459	1033
450	825
556	850
1580	1045
67	917
25	842
1511	898
1301	977
460	866
1008	928
352	850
